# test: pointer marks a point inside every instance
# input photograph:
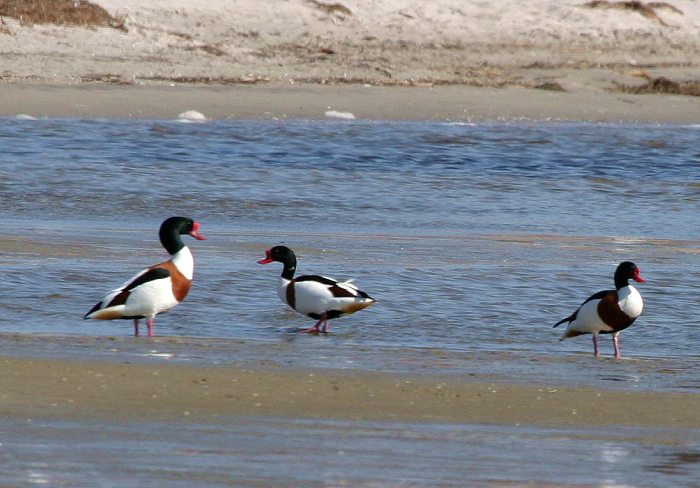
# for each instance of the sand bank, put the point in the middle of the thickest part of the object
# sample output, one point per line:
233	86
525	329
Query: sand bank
541	59
441	103
402	41
99	390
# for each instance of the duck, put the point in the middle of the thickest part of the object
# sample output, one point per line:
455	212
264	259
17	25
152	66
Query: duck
318	297
157	288
608	311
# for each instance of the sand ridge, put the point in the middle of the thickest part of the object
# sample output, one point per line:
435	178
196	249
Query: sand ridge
68	389
360	41
457	60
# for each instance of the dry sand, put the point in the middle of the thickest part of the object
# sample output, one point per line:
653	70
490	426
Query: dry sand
201	53
87	390
456	41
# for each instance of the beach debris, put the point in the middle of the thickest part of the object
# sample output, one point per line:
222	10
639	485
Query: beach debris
60	12
332	114
207	48
105	78
661	84
192	116
648	9
208	80
335	9
4	29
549	85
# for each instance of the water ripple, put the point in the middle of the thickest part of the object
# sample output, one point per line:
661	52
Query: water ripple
474	238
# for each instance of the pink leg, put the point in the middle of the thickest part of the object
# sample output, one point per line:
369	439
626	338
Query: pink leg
136	327
616	345
149	324
596	353
311	330
316	326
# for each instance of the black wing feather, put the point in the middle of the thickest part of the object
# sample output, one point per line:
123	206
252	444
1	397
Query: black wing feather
150	275
320	279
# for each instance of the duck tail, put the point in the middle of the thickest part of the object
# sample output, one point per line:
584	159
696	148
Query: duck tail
567	319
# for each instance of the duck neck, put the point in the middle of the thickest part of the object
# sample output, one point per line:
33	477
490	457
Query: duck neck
184	262
621	282
171	241
290	267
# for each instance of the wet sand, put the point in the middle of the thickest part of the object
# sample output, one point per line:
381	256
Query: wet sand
280	101
71	390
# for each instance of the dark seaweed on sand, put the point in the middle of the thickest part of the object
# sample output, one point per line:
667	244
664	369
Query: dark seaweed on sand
60	12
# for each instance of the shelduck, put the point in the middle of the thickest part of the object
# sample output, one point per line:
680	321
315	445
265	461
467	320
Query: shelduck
158	288
608	311
318	297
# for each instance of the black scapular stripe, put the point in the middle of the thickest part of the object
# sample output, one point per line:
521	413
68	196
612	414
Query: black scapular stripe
120	299
320	279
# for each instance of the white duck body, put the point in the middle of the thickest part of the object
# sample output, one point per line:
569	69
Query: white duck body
597	316
316	295
152	297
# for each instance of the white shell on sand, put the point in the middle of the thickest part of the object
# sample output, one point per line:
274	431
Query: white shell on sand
339	115
192	116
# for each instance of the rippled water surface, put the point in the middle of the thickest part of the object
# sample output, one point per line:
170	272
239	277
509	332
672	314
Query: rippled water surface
474	239
284	452
471	237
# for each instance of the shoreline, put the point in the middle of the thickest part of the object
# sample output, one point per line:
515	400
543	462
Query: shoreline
451	103
94	390
405	60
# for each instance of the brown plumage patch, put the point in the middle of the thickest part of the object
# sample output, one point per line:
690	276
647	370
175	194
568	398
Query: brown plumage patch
107	314
340	292
291	295
609	311
355	306
181	285
572	333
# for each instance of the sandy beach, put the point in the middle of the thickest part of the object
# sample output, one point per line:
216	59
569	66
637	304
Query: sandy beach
443	60
62	389
405	59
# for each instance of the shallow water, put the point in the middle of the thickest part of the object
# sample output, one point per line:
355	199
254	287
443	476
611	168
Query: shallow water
474	238
287	452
